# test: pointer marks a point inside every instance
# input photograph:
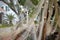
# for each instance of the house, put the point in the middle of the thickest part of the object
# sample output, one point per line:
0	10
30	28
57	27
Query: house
5	9
1	14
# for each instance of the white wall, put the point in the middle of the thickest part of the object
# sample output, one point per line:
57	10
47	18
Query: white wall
9	12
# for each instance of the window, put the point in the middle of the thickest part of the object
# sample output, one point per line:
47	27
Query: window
2	7
7	8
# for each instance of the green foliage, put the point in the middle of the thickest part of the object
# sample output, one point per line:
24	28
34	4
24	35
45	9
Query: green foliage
22	2
35	22
11	5
31	12
58	28
10	18
29	38
5	23
54	24
35	2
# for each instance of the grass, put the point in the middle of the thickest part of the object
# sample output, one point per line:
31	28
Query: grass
5	25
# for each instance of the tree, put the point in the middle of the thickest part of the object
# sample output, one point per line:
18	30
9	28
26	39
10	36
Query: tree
10	18
1	17
22	2
35	2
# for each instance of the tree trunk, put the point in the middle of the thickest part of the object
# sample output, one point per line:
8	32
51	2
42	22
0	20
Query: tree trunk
44	32
1	17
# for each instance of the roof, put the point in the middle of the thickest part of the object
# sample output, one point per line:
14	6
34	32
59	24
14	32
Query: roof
2	3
